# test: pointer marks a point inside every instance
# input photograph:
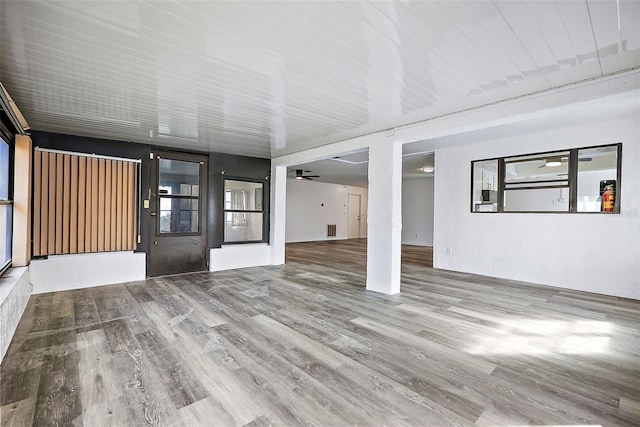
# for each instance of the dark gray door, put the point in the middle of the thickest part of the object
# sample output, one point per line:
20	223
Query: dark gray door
178	217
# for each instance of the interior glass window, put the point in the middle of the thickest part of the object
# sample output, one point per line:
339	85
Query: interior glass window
243	211
485	186
537	183
597	179
570	181
537	200
537	169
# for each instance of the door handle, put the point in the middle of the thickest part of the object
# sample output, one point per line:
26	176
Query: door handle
152	213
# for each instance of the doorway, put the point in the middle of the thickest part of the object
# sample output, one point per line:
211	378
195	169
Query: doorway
178	219
354	215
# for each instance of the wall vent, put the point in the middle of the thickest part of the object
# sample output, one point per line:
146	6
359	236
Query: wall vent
331	230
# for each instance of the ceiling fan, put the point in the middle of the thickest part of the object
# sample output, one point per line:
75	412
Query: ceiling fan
553	161
300	174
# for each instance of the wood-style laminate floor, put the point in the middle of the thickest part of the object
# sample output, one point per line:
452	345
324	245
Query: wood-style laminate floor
306	344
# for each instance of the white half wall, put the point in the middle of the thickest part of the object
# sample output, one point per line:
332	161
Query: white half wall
588	252
417	212
15	290
66	272
312	205
239	256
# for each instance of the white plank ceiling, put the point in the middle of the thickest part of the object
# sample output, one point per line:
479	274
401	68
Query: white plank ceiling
270	78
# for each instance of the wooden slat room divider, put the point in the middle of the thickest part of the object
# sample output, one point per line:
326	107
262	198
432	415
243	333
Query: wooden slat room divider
83	203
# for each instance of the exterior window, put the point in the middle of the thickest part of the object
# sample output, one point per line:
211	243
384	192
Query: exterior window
566	181
6	205
243	212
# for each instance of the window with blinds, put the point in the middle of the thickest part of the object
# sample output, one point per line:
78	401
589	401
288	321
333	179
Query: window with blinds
83	204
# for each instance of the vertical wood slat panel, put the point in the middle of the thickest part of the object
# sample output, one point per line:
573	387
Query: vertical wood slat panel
59	201
87	208
37	195
51	244
94	204
82	189
44	206
83	204
114	196
101	192
125	205
107	206
73	205
119	208
66	202
132	211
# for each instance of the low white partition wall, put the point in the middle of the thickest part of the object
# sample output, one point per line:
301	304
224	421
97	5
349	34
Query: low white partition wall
239	256
15	290
66	272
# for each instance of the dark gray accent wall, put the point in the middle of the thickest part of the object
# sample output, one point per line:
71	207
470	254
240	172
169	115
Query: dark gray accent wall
241	167
235	166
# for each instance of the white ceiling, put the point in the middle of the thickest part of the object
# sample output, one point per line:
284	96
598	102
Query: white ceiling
352	169
269	78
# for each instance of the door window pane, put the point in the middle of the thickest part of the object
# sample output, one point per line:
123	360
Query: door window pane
178	177
597	175
178	215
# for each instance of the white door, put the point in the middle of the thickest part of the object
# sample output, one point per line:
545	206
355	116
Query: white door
353	226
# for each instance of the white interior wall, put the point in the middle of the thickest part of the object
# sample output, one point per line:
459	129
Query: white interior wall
591	252
603	96
417	212
312	205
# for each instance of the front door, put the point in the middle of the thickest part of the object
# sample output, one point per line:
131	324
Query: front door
178	214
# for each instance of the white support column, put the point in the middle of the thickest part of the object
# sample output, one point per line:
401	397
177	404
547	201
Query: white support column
278	213
384	226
